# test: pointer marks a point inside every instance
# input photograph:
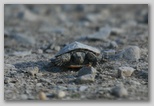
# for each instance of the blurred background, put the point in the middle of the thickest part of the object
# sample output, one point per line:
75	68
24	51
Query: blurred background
39	24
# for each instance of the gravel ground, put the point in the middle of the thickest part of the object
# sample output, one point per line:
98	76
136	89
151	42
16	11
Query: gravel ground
33	34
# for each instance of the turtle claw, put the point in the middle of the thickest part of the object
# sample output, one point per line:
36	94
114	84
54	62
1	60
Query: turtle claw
62	60
58	62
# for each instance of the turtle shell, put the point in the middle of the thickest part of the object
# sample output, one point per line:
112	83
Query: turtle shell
77	46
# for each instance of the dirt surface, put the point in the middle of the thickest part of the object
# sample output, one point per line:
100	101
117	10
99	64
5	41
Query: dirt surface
33	34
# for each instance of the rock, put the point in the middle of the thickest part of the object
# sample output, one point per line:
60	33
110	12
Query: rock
40	51
54	47
108	54
83	88
39	84
49	51
125	71
131	53
93	17
120	41
103	34
24	97
87	70
116	31
57	48
113	44
39	74
42	96
33	71
6	80
119	91
61	94
88	78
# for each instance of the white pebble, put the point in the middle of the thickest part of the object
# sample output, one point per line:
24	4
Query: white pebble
87	70
61	94
125	71
86	78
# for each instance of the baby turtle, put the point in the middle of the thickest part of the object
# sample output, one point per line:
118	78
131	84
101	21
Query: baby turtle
76	55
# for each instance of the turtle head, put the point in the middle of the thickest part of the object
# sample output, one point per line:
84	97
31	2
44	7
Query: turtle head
78	57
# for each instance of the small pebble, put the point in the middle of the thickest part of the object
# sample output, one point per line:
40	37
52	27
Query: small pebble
61	94
57	48
87	70
108	54
39	84
24	97
49	51
125	71
93	17
34	71
45	80
40	51
120	41
39	74
83	88
88	78
42	96
113	44
6	80
119	91
116	31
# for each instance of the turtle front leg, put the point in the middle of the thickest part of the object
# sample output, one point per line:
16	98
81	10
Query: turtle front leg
91	58
63	59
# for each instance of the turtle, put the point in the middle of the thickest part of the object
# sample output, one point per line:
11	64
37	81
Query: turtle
75	55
